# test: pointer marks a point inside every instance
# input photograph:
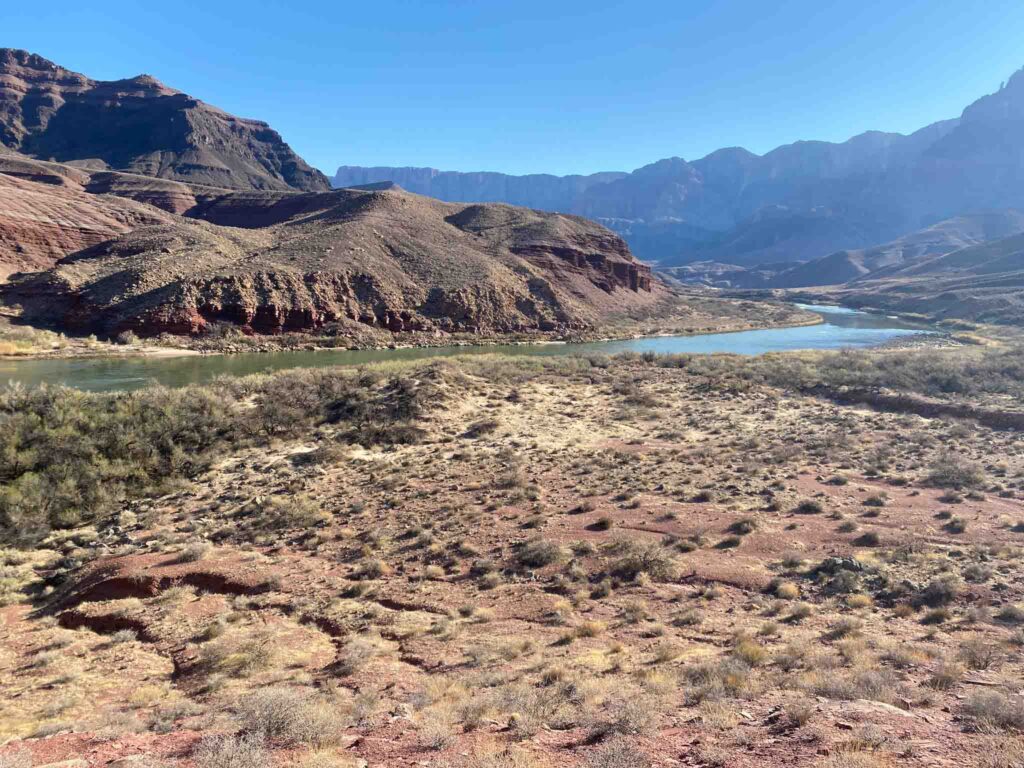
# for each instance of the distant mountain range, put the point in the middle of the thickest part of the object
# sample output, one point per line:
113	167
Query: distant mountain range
798	202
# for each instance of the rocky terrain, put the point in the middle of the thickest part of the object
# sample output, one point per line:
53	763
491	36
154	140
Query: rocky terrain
521	563
798	202
140	126
271	262
41	223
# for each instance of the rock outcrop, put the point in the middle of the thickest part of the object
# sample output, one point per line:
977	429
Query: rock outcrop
40	223
274	262
139	126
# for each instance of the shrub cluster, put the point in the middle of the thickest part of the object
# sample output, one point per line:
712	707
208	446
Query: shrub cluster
68	457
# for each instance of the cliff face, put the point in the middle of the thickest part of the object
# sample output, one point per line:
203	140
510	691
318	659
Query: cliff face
140	126
385	259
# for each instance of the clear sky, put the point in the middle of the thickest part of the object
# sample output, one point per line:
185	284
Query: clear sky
557	86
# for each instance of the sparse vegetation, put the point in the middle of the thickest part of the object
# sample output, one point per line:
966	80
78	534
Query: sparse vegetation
494	585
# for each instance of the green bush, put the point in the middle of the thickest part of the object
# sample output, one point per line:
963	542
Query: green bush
69	458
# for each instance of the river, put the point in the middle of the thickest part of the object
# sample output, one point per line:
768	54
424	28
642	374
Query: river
843	328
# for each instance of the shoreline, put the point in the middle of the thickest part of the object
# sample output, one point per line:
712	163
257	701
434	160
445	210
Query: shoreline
114	352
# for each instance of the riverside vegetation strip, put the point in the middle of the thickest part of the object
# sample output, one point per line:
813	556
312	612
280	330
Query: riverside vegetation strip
520	562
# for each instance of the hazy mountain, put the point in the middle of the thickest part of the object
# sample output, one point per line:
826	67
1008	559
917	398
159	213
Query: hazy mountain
797	202
983	283
905	256
904	253
141	126
543	191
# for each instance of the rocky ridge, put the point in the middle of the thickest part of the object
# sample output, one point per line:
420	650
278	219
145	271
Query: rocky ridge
380	258
141	126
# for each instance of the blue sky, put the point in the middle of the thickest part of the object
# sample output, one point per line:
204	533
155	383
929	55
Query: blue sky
559	87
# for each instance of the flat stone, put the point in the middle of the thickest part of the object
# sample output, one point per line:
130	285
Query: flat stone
867	705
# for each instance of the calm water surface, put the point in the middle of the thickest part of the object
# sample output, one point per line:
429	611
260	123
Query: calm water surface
843	328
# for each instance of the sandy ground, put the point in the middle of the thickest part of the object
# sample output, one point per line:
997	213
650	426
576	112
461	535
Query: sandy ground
575	566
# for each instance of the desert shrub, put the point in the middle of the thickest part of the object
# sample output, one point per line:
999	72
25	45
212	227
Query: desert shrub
749	652
537	553
936	616
369	434
288	716
239	657
627	715
481	428
275	513
494	756
951	470
715	680
809	507
977	573
644	557
245	751
617	753
1011	614
194	552
687	618
785	590
356	654
852	758
978	653
531	708
1002	752
436	728
859	601
987	710
69	457
878	685
938	592
800	712
799	612
868	539
743	526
